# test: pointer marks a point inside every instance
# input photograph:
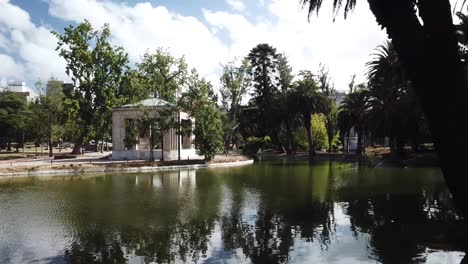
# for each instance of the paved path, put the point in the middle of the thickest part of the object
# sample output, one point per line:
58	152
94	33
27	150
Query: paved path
93	157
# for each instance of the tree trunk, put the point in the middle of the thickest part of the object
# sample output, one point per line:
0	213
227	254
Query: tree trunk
347	140
151	143
430	56
9	146
96	144
359	142
415	144
77	147
22	140
400	147
289	133
279	144
162	147
391	144
51	150
102	145
310	139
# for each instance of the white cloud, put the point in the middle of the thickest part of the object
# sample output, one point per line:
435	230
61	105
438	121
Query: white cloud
144	26
30	48
344	45
9	68
237	5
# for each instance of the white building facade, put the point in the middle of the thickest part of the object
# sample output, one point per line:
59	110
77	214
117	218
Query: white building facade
175	145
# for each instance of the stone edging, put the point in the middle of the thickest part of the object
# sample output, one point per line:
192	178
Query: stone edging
124	169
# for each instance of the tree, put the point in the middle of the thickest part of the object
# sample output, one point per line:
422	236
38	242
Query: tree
96	69
331	116
308	101
285	106
201	103
235	81
354	110
154	124
48	111
208	130
389	95
14	117
162	74
263	64
285	73
319	131
425	39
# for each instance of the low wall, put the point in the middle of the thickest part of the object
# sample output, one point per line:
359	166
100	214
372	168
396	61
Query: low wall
103	169
144	154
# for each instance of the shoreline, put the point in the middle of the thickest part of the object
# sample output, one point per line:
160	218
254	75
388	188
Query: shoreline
97	165
373	160
114	168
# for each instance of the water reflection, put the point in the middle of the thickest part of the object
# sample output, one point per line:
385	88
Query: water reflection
265	213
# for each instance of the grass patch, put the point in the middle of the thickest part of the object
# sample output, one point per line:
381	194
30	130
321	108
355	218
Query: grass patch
10	156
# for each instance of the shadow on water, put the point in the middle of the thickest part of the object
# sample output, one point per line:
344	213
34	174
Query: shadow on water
265	213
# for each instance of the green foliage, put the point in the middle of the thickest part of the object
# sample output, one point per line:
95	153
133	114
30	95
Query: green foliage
300	139
263	65
235	81
154	124
96	69
14	116
331	113
319	131
131	134
208	130
200	100
307	99
254	144
48	112
285	73
162	74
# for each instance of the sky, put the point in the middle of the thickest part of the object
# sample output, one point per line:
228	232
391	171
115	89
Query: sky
208	33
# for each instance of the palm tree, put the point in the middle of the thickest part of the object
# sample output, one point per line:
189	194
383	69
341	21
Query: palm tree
425	39
308	100
393	108
387	85
354	110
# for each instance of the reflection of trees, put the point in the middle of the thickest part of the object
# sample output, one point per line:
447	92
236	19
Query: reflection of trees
402	225
262	213
287	210
175	231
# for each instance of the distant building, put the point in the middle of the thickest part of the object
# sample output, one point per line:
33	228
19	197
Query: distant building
339	97
68	88
19	88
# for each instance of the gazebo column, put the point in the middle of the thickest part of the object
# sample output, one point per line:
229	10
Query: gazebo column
118	131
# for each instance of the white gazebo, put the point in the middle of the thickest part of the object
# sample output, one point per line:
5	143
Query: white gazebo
175	146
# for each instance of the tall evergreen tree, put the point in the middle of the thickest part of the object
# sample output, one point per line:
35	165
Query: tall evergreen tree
263	63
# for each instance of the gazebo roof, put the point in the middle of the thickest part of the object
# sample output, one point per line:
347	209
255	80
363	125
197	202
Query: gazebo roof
152	102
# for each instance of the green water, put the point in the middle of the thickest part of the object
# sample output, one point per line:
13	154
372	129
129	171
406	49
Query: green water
263	213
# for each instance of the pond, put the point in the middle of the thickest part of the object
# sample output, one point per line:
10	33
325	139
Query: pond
269	212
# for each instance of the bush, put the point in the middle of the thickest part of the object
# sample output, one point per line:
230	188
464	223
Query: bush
255	143
319	132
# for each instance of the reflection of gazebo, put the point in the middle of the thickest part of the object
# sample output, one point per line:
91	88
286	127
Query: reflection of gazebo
124	119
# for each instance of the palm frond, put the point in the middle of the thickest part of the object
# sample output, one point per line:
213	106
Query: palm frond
315	5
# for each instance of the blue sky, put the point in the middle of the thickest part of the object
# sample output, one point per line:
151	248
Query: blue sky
206	32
